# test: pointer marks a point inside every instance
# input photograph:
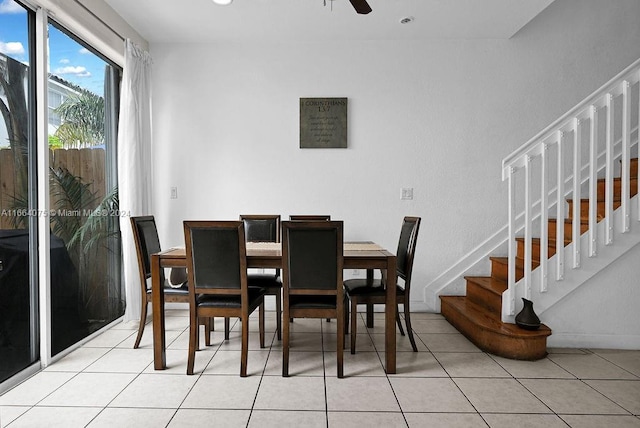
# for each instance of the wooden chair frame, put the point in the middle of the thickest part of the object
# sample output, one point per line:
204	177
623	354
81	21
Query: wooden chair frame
309	218
377	295
144	269
336	312
197	311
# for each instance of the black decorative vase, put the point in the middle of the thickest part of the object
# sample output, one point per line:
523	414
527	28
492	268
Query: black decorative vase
527	318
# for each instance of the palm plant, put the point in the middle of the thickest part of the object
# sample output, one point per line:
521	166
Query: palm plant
91	233
13	107
99	225
82	117
69	196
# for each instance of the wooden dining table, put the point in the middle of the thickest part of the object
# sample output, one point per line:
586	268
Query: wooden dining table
357	255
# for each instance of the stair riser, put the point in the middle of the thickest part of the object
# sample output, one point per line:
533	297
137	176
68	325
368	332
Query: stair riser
484	297
617	187
535	246
568	230
584	209
634	167
500	270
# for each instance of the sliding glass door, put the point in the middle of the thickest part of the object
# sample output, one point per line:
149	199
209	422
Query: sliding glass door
85	286
19	339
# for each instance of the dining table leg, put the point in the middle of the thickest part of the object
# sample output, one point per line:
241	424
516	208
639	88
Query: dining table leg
369	305
157	304
390	316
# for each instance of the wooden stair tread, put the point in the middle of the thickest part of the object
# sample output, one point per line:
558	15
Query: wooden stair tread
505	261
494	285
536	241
616	198
569	221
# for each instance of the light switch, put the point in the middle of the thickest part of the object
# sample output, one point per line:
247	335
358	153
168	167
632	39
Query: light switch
406	193
174	193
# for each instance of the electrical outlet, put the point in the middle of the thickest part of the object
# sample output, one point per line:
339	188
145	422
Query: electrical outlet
174	193
354	272
406	193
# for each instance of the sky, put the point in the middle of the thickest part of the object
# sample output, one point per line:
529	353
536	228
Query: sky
68	59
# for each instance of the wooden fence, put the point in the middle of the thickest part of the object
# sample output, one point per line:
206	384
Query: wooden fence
88	164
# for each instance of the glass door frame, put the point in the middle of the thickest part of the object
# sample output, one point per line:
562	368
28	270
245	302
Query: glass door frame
42	153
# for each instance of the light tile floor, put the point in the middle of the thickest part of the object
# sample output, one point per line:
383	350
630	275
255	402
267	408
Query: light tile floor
449	382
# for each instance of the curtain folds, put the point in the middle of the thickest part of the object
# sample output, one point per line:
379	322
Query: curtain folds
134	162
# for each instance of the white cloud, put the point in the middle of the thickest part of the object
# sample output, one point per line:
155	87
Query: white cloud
9	6
84	51
64	61
12	48
78	71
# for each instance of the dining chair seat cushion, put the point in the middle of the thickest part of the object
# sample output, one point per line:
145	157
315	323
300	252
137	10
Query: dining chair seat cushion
353	284
361	287
264	280
312	302
230	300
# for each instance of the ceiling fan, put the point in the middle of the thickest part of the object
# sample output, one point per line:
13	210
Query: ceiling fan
361	6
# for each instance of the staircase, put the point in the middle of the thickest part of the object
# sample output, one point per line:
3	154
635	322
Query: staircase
572	158
478	314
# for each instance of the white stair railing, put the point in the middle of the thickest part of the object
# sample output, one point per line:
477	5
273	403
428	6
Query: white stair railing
564	161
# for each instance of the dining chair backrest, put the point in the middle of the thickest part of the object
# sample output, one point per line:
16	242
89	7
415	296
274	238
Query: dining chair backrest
261	228
216	257
312	255
145	237
407	246
310	217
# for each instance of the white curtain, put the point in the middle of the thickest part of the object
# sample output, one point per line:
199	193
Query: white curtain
134	162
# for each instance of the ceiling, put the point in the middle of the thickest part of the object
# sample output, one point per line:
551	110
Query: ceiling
201	21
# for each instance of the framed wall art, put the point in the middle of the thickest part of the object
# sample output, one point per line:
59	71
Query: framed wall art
323	123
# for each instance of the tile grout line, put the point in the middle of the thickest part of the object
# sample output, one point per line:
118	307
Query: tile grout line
386	375
262	374
132	380
527	389
324	375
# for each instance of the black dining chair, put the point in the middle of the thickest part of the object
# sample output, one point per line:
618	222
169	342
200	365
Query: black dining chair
309	217
312	261
145	237
217	271
265	228
372	291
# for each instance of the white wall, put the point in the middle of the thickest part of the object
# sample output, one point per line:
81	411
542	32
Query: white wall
436	115
603	312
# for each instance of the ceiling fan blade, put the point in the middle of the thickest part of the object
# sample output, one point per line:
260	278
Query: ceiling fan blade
361	6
